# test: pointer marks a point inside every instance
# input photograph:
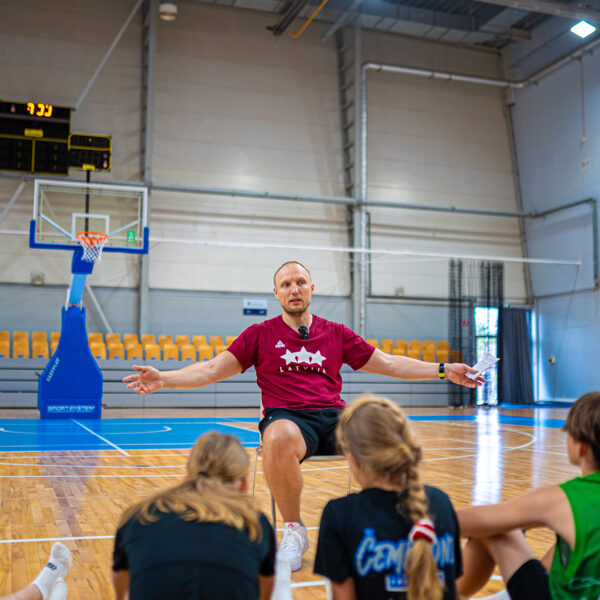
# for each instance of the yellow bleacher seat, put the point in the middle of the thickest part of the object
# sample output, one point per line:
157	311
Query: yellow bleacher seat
387	346
456	356
443	356
39	337
373	343
148	338
429	346
20	349
98	350
152	352
199	340
402	345
135	352
54	336
53	345
220	348
164	339
130	338
215	340
205	352
429	356
20	336
116	350
170	352
398	352
188	352
443	345
113	338
182	340
411	353
4	349
39	350
4	336
415	345
95	338
230	339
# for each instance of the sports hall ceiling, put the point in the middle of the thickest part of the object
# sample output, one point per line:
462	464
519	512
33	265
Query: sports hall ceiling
489	23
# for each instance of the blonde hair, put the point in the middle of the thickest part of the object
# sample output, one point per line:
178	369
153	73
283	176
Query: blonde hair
376	432
207	495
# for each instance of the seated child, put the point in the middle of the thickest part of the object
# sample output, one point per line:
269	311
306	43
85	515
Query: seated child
201	539
571	569
397	538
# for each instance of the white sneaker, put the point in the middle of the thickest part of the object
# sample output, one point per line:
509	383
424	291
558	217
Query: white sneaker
293	545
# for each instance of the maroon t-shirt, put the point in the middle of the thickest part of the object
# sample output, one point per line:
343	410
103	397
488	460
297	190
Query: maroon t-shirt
300	374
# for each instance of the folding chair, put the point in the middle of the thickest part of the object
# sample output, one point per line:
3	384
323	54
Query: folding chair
314	458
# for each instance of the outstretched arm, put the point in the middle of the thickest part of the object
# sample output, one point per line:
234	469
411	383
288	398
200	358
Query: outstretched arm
402	367
547	507
148	379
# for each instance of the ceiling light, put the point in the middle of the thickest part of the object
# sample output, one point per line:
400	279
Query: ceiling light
583	29
167	9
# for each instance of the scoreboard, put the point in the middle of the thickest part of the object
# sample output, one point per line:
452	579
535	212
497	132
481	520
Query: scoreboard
34	137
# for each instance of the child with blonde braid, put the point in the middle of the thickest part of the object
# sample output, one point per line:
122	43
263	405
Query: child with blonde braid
396	539
201	539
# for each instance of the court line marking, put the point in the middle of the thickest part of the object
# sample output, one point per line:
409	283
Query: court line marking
165	429
131	446
88	456
85	476
94	466
296	584
58	539
101	438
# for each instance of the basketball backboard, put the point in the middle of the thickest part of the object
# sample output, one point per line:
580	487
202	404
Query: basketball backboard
62	209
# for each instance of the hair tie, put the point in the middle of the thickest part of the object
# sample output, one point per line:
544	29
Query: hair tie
423	529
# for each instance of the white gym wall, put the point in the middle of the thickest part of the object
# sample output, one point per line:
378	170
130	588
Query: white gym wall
237	108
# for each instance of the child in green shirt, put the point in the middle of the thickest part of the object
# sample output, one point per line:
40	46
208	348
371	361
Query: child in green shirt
571	569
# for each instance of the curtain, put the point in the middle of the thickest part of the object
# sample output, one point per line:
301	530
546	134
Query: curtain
516	383
472	283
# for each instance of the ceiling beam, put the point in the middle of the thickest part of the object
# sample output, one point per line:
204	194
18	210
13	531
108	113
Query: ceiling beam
550	7
397	12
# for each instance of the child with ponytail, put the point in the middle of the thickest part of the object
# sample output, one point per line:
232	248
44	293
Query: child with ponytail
396	539
201	539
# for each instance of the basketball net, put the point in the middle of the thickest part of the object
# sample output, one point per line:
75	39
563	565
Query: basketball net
92	243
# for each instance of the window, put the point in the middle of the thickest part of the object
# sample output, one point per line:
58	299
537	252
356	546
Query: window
486	340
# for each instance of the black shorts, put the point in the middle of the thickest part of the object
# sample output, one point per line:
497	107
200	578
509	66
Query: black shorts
317	427
529	582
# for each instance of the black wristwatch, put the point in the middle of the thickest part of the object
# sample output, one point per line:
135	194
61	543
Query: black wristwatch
441	371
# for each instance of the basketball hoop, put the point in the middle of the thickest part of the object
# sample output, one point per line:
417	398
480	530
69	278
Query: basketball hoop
92	243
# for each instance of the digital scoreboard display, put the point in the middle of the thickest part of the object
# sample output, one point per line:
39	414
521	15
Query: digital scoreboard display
90	152
34	137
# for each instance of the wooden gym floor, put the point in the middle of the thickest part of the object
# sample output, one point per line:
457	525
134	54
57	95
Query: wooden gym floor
75	494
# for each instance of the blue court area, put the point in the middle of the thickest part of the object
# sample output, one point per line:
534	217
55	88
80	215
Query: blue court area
24	435
28	435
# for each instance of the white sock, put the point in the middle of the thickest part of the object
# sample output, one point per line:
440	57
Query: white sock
282	588
59	591
58	566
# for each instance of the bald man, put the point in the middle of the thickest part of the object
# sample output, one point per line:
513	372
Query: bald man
298	357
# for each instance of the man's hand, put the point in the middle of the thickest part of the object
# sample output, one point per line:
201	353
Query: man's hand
148	380
457	373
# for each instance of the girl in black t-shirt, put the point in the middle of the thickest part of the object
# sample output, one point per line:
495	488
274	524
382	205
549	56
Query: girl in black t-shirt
397	539
202	539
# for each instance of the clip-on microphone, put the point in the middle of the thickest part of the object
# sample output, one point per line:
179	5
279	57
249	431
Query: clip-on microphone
303	331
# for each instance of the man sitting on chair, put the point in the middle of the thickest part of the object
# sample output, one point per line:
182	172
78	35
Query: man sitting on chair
298	357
